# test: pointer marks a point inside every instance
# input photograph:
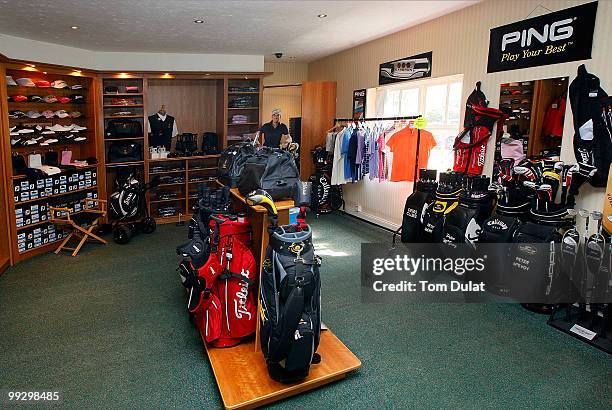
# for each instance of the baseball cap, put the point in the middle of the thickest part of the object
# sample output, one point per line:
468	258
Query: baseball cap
43	84
75	114
35	98
19	98
34	114
77	98
25	82
131	89
111	89
63	100
61	113
76	87
514	84
59	84
50	99
10	81
276	111
48	114
17	114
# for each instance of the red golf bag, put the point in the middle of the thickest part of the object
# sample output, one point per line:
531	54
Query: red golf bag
471	144
223	301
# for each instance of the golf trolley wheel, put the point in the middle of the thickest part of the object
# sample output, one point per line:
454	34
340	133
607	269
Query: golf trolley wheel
148	225
122	234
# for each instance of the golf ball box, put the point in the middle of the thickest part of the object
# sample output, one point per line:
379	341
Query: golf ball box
30	214
35	237
29	190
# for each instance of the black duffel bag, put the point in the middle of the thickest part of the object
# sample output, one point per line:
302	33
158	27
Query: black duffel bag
272	170
124	151
232	161
124	128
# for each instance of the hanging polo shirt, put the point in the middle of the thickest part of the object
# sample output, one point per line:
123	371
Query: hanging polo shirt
403	144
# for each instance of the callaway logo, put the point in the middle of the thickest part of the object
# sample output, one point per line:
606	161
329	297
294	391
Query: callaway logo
296	247
559	30
267	265
297	335
497	225
240	305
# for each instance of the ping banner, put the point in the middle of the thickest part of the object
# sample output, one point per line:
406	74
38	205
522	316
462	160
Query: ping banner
558	37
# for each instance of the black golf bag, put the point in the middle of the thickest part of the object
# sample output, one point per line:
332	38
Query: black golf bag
272	170
533	262
592	113
416	204
321	199
232	161
463	225
290	293
447	199
126	199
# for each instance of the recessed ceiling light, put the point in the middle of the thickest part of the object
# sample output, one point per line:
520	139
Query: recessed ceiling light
32	65
322	15
74	27
199	21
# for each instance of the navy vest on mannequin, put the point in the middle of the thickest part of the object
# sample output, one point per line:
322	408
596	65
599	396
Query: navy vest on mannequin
161	131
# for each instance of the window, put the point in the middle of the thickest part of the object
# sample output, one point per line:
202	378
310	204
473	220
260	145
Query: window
438	100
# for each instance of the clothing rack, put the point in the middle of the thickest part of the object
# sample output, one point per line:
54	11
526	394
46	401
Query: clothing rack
408	117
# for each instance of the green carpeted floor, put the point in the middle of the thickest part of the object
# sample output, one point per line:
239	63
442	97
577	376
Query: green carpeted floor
108	329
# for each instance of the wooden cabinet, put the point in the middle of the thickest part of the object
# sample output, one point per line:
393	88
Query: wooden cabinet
318	113
44	125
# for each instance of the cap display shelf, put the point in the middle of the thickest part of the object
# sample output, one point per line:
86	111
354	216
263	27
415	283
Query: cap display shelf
81	150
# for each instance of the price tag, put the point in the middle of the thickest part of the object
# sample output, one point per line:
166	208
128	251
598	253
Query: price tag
420	123
584	332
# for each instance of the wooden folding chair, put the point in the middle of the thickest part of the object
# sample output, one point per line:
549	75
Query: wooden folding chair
82	223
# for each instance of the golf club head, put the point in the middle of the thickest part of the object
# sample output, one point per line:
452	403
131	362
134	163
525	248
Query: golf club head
583	213
596	216
261	197
572	212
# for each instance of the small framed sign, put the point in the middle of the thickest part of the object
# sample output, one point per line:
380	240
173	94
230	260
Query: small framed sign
409	68
359	104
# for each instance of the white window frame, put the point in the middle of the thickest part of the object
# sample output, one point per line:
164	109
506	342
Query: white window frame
440	131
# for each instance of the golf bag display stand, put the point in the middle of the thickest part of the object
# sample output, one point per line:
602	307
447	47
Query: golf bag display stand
290	297
587	315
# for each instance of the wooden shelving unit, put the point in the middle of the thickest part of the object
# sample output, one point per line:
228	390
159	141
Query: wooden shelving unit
181	183
39	234
107	114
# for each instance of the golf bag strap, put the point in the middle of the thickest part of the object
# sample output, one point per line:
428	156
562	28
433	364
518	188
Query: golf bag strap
227	274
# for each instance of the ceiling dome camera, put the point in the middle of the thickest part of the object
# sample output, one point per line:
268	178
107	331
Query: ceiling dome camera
278	55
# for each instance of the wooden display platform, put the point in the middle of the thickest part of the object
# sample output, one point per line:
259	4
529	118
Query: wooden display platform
244	383
241	372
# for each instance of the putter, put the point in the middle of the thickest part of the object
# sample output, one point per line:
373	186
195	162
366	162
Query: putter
594	254
570	246
584	213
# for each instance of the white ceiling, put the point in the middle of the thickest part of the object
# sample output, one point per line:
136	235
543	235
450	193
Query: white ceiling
231	27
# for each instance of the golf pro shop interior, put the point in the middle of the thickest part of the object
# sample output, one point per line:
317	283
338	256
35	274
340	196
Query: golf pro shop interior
306	204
